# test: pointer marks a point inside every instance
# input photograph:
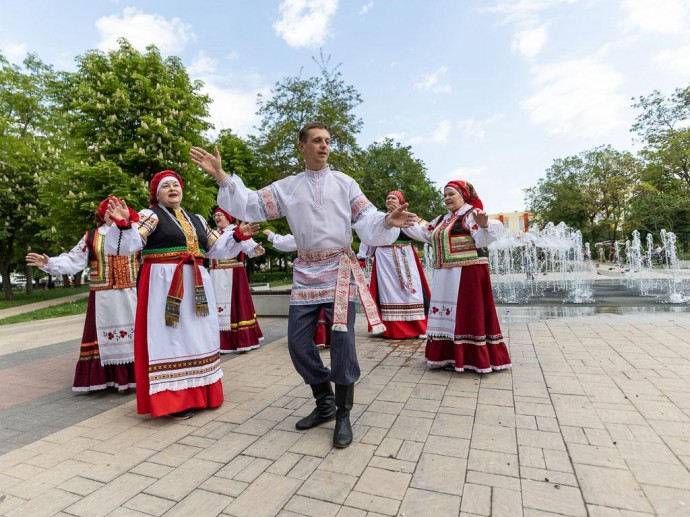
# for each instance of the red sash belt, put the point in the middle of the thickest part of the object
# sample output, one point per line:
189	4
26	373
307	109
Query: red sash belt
176	292
347	265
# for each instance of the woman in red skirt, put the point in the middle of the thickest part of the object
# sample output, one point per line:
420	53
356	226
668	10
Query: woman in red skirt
106	355
239	327
463	329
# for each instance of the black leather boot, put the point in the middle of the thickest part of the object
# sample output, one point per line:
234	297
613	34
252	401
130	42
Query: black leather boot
325	407
344	397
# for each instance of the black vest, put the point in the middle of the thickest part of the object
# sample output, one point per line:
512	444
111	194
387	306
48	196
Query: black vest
169	235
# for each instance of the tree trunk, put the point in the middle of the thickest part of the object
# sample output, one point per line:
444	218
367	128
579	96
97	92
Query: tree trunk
29	273
65	281
77	278
6	285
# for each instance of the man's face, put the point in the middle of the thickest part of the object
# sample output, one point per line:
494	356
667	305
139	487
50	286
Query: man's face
316	149
170	194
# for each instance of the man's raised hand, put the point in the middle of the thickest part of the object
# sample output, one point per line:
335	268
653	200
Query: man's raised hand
209	163
401	218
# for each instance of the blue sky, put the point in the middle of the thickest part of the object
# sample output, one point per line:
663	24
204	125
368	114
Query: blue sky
487	91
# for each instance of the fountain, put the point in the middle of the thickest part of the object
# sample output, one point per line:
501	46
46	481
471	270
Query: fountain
538	262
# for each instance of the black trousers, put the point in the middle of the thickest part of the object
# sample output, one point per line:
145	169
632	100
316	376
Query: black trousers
302	320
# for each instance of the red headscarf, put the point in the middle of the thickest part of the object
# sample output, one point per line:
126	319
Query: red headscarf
156	181
227	215
466	190
398	195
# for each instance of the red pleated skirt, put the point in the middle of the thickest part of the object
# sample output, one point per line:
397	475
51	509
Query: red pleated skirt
90	374
478	343
245	333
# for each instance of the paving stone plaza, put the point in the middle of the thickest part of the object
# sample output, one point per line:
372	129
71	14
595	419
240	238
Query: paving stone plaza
593	419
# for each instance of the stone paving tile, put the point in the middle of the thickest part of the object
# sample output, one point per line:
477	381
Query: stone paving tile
553	498
373	504
110	496
350	461
668	501
149	504
182	480
383	483
440	474
616	488
506	503
328	486
493	462
424	502
476	499
268	494
311	507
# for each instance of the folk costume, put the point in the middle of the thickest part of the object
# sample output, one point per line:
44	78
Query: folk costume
106	355
322	207
463	329
322	333
239	328
176	345
398	285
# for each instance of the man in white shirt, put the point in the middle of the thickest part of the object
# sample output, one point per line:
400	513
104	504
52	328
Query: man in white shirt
322	207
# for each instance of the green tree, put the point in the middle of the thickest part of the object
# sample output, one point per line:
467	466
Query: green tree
138	113
296	101
25	152
665	197
387	166
590	192
237	156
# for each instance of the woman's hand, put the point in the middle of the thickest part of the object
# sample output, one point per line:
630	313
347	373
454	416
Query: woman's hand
481	218
249	229
118	211
36	260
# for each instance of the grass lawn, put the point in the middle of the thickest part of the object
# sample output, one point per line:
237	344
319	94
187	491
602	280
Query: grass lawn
40	295
56	311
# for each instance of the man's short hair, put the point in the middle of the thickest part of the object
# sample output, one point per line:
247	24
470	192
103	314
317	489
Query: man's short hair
312	125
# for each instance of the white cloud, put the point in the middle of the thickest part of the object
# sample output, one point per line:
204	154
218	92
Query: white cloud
531	34
439	135
14	52
520	10
365	8
577	98
433	82
658	16
476	128
305	23
472	174
141	29
530	41
677	60
442	132
202	65
234	100
233	108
